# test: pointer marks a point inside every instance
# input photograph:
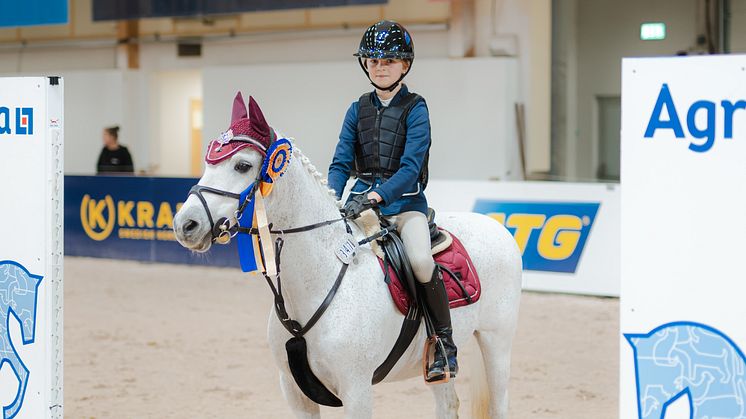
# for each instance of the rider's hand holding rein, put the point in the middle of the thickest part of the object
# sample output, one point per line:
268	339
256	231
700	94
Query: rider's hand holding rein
385	143
355	206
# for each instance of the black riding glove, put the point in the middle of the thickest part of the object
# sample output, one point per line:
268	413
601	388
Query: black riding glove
359	203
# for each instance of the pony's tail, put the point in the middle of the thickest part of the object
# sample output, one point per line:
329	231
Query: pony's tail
480	394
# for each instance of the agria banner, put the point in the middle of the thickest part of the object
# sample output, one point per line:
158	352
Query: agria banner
682	337
131	218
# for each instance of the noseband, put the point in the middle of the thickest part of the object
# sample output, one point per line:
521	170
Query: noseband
222	231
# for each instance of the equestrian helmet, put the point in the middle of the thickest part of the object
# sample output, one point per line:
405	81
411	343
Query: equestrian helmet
386	39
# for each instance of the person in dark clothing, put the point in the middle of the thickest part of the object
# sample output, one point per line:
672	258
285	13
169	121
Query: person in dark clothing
385	143
114	157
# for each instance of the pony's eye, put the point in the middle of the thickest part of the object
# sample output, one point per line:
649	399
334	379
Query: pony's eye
242	167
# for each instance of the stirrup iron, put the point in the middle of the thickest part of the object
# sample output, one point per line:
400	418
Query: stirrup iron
433	344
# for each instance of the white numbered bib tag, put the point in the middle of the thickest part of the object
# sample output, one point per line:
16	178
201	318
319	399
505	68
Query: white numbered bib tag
347	250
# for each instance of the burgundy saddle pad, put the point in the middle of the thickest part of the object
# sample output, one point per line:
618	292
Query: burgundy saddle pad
456	260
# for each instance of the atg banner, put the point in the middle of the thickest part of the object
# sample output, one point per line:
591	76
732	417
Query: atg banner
131	218
551	235
568	233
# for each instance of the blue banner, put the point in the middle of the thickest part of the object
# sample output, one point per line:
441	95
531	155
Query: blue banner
132	218
32	12
136	9
551	235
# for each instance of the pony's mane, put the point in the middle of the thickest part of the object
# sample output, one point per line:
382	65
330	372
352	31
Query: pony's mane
311	169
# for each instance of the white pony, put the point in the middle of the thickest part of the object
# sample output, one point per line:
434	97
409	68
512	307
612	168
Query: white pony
360	326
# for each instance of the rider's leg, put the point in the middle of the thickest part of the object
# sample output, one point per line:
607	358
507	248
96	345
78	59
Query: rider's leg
416	237
414	233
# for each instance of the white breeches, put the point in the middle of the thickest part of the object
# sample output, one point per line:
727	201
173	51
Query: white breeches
412	226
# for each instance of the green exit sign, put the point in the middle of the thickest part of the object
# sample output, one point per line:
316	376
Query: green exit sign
653	31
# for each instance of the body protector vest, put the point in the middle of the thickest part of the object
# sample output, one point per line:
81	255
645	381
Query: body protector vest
381	136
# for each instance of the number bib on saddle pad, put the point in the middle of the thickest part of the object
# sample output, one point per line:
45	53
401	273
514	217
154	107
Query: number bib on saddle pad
454	259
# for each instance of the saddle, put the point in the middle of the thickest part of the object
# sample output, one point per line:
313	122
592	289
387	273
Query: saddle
459	276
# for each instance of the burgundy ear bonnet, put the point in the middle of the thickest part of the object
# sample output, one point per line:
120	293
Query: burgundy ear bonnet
246	130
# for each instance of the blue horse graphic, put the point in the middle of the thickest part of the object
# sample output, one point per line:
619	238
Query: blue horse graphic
18	291
689	359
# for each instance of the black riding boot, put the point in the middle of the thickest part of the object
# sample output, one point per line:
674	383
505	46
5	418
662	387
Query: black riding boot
436	301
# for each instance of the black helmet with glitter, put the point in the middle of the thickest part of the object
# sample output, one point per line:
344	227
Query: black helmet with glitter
386	39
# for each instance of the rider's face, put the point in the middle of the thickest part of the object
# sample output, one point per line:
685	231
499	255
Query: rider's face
386	71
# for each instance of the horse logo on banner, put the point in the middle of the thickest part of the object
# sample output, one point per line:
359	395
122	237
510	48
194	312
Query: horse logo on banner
693	360
18	292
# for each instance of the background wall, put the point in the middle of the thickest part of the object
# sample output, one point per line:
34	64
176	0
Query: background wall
144	101
171	93
738	26
470	103
583	40
595	36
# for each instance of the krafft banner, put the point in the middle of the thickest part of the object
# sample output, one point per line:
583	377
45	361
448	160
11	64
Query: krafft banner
568	233
127	217
31	247
683	204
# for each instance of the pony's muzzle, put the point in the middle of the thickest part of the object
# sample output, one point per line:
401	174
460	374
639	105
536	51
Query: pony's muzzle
190	230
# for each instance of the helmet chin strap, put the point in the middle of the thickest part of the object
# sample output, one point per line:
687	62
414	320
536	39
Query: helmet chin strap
390	88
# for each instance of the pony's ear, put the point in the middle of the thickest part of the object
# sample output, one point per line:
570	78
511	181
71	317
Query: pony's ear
239	108
256	117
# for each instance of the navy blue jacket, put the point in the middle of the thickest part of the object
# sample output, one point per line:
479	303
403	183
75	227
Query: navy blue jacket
402	192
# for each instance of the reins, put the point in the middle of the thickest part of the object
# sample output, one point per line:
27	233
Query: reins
222	232
293	326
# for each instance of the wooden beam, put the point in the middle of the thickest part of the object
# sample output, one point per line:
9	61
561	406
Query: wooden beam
128	32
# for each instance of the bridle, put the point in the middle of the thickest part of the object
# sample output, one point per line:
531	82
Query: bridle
223	230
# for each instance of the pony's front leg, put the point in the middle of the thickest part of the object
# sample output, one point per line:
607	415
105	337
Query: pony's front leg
302	406
446	401
358	401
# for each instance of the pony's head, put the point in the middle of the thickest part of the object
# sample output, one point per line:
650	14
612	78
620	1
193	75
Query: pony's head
234	164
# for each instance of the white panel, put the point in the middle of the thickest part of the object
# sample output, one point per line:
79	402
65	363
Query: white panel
682	247
31	247
470	103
